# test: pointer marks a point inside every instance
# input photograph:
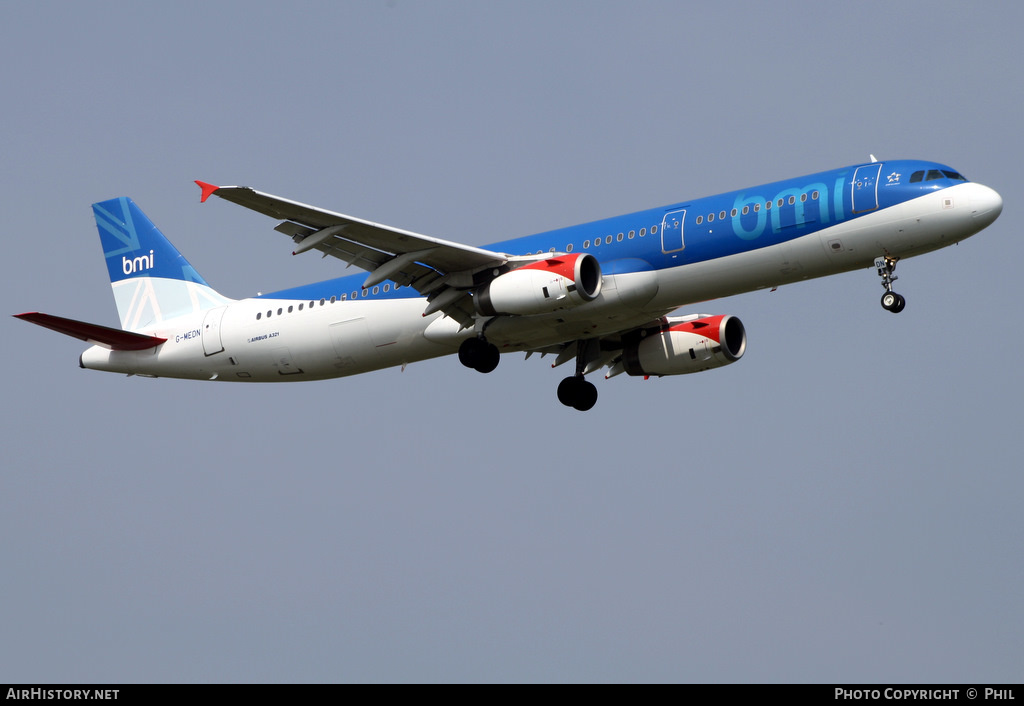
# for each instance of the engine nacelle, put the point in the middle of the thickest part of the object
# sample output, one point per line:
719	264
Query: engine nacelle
686	345
542	287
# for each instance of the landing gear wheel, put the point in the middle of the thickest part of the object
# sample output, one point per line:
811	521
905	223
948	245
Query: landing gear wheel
469	352
587	397
577	393
891	301
478	354
567	391
488	359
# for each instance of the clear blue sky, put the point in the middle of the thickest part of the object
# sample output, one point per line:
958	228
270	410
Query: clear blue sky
844	504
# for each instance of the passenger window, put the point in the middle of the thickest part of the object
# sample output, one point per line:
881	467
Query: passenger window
586	244
654	229
814	196
734	212
711	218
609	239
643	232
700	219
792	200
290	309
259	315
757	207
721	216
279	311
568	248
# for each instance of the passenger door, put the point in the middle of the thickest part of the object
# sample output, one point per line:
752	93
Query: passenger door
672	230
865	187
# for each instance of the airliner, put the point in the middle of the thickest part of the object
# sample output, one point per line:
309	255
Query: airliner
603	295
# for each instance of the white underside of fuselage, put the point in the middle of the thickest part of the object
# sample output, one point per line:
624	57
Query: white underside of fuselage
334	339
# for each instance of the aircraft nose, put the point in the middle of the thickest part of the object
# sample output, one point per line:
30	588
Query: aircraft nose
986	204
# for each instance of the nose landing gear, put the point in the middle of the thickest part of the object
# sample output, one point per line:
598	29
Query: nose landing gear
891	301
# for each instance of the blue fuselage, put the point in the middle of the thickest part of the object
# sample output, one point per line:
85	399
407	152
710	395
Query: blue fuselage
705	229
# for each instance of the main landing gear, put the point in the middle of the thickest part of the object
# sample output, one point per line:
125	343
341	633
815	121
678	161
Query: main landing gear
576	391
478	354
891	301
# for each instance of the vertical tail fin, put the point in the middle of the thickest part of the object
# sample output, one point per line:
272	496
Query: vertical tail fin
151	280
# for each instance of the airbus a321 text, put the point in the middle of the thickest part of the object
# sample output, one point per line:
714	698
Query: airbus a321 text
600	295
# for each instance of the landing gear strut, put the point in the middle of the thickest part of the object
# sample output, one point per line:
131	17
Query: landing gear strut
891	301
576	391
478	354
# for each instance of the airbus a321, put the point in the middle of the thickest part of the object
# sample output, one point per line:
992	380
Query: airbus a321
602	295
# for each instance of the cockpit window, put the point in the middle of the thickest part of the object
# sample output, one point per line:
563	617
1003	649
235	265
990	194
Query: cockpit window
934	174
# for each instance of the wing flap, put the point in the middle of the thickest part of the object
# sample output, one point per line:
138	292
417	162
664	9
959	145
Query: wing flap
112	338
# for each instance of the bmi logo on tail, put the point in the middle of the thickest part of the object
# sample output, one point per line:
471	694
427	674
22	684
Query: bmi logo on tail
138	264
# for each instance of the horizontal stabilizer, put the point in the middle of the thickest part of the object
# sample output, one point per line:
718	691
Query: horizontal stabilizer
112	338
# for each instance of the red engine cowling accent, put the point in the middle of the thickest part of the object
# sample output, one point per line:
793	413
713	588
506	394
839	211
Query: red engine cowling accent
542	287
686	345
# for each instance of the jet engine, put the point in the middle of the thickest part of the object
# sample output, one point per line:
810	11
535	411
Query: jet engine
542	287
686	344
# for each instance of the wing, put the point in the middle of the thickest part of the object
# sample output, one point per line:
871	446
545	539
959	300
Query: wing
442	271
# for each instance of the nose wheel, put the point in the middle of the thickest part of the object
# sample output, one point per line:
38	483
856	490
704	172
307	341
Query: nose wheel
891	301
